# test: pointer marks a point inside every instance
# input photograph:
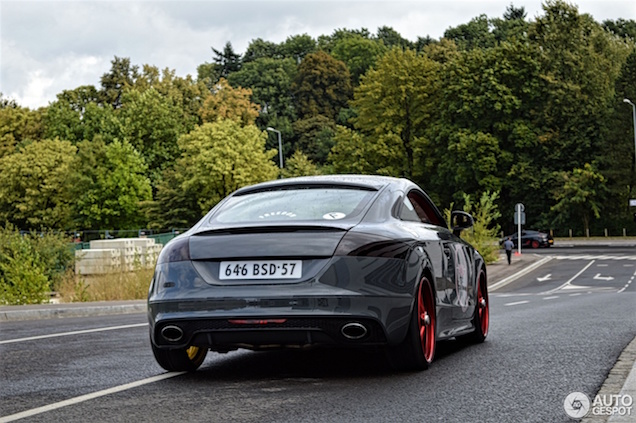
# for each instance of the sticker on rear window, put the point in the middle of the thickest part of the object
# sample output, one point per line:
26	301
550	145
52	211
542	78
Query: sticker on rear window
333	216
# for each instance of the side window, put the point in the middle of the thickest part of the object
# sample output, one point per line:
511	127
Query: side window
413	210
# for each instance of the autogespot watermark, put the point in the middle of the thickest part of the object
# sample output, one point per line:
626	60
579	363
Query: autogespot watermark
578	405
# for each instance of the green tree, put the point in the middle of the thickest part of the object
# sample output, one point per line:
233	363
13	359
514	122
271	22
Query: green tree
299	165
270	81
322	86
35	185
474	34
581	194
315	137
261	49
391	38
359	54
394	102
66	119
355	153
218	158
297	47
226	60
122	75
110	186
18	125
151	123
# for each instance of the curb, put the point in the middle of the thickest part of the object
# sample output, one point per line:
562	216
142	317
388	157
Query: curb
70	310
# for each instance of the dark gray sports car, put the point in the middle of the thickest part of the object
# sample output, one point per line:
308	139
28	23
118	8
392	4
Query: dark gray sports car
346	261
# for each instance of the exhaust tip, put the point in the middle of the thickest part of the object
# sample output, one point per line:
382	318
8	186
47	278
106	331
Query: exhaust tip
354	331
172	333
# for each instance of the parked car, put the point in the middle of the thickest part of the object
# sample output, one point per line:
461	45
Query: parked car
346	261
529	238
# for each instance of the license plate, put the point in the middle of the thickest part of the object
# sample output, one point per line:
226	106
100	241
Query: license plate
261	269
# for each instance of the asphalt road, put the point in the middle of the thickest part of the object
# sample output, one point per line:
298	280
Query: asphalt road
549	337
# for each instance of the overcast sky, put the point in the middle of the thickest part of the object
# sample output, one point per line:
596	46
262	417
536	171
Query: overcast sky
49	46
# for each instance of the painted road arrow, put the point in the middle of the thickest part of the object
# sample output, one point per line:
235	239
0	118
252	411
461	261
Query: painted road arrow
598	277
545	278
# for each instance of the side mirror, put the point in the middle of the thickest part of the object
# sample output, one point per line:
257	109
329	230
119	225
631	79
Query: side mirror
461	220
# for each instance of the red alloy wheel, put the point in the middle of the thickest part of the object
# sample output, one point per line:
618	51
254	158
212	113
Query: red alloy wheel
426	320
484	313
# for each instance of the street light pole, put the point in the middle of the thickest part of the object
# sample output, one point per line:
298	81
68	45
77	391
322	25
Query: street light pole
280	145
626	100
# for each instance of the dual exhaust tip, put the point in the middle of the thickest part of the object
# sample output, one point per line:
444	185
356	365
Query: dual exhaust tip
352	331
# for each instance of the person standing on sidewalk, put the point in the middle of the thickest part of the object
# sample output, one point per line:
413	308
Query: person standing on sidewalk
508	246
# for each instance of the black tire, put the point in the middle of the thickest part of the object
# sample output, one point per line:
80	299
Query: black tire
181	359
417	350
481	318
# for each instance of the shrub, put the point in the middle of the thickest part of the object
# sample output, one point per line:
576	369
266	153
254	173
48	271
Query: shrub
485	233
31	265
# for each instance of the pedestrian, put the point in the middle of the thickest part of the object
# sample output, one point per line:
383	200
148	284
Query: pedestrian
508	246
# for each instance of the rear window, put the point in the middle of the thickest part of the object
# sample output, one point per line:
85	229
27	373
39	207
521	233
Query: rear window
317	204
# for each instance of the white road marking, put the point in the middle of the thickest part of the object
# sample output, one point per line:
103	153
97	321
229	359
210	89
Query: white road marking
517	275
571	279
78	332
517	303
87	397
591	257
627	284
545	278
575	295
551	298
598	277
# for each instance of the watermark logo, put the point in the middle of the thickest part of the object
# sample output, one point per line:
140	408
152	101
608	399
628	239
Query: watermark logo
578	405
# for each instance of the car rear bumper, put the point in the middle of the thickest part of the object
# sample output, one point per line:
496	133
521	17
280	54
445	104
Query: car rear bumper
352	301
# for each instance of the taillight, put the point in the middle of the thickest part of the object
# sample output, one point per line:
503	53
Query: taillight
177	249
370	245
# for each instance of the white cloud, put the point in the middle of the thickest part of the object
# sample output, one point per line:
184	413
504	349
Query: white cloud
50	46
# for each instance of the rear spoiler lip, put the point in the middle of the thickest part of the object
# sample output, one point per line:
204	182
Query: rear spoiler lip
273	228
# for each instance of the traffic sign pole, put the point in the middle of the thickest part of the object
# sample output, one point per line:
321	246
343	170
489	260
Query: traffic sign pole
520	217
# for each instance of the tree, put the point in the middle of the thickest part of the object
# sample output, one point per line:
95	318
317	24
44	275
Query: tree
270	83
315	137
122	75
110	185
299	165
218	158
226	61
580	194
75	121
394	103
474	34
322	86
261	49
151	123
35	185
297	47
391	38
226	102
18	125
359	54
354	152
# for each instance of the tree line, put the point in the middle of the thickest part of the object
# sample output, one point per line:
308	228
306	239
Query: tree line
531	110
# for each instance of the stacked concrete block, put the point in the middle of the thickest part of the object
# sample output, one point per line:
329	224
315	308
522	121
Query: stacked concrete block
133	253
97	261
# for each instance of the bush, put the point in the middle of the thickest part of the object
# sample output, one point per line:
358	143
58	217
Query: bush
31	265
485	233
